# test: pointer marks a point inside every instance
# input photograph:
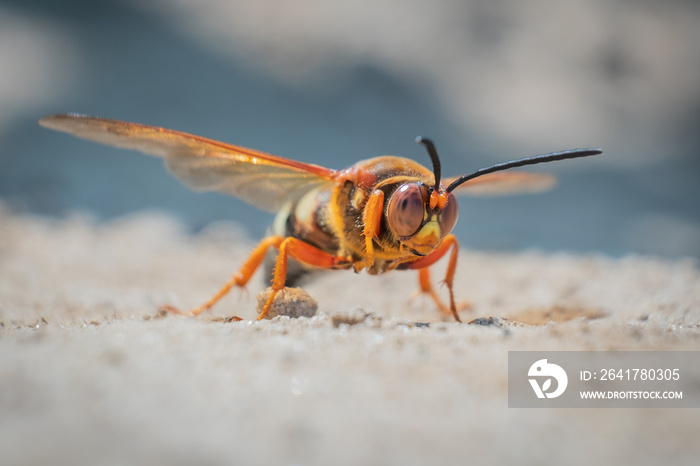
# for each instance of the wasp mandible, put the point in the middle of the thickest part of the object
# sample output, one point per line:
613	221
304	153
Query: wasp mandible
380	214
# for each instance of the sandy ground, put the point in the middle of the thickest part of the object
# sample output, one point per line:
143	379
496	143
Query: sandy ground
88	375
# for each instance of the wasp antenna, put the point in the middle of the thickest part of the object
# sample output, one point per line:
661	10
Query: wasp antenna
433	156
554	156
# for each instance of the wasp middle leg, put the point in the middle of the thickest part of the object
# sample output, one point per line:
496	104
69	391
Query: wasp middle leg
288	247
304	253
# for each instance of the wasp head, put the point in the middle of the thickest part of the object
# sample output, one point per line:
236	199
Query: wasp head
421	215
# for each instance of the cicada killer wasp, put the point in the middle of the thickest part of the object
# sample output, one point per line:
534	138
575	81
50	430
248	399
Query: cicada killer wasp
380	214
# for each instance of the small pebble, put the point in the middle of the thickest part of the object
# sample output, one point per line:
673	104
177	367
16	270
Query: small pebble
292	302
351	317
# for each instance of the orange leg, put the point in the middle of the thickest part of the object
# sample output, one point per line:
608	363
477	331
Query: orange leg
422	264
427	287
238	279
303	252
293	247
372	219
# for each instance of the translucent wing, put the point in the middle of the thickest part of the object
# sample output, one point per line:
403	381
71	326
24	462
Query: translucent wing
511	182
261	179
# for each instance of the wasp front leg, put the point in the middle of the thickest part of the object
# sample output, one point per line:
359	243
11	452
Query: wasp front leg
371	219
422	264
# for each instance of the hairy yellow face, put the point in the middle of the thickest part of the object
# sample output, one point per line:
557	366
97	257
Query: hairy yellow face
425	240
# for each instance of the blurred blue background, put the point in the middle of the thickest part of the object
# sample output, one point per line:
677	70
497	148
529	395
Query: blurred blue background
333	82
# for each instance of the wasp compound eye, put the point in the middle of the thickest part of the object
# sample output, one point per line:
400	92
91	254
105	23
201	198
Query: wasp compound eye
449	215
406	209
